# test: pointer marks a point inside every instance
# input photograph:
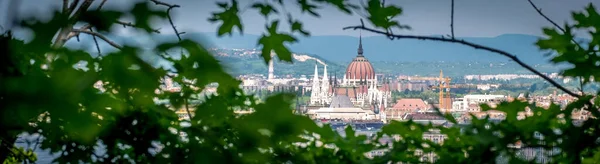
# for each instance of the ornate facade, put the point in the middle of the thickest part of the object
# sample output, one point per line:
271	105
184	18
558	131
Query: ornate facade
360	84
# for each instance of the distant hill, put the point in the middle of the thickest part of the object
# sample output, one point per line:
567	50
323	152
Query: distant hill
376	48
408	57
379	48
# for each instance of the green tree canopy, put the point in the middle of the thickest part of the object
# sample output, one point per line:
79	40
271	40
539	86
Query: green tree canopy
43	91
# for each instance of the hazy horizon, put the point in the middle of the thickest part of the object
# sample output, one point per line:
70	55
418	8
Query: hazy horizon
473	18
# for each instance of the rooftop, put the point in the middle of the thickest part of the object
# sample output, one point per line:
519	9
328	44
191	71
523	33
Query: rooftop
341	101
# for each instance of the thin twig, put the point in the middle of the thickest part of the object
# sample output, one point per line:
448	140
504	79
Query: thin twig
178	34
452	18
187	109
553	23
125	24
96	42
157	2
72	7
473	45
99	36
581	85
101	5
171	22
65	31
73	34
170	6
545	17
82	8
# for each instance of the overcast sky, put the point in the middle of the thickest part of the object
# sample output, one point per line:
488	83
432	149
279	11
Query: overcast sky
473	18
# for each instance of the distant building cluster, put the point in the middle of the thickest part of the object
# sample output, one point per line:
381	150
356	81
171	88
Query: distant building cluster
363	99
508	76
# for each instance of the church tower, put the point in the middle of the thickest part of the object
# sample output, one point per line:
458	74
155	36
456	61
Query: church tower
315	95
325	87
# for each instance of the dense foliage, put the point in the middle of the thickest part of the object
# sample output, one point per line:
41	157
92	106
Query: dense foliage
42	91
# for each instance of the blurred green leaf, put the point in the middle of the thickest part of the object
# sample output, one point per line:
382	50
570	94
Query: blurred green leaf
296	26
275	42
229	18
342	5
383	16
265	9
101	20
142	14
306	6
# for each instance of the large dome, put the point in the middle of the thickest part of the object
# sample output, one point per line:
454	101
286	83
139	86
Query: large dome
360	67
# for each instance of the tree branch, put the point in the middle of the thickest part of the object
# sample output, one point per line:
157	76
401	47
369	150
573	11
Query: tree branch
170	7
473	45
72	34
82	8
581	85
65	31
125	24
545	17
157	2
178	34
452	18
101	5
96	42
172	24
72	7
99	36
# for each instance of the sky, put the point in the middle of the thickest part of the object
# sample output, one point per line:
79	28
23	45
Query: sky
473	18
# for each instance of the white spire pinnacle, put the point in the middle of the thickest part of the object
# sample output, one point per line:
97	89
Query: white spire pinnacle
315	94
325	86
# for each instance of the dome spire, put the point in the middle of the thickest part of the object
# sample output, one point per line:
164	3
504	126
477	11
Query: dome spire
360	49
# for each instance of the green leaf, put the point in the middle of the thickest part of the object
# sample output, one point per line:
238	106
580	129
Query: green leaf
383	16
265	9
591	19
583	59
44	32
275	42
229	18
342	5
296	26
510	108
307	7
101	20
142	14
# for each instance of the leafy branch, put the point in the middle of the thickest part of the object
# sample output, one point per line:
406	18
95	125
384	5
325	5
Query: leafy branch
178	34
539	11
470	44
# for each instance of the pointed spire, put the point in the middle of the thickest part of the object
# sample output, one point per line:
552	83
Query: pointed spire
325	77
315	93
360	49
316	72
